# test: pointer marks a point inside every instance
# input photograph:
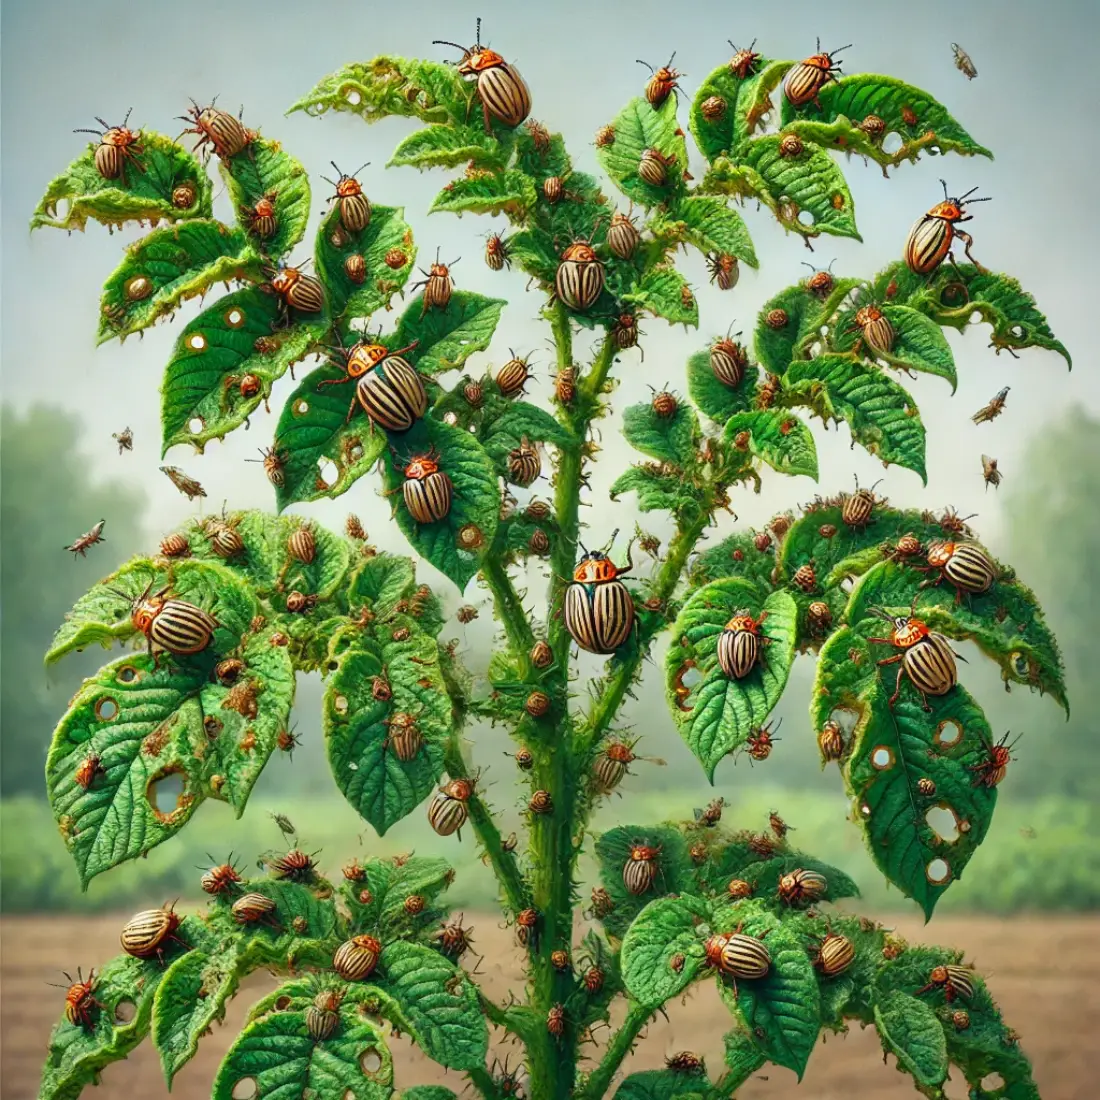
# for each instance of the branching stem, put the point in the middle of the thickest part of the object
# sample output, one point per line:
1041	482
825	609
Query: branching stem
620	1046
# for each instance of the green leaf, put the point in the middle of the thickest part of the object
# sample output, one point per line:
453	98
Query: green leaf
386	86
518	420
176	263
810	183
427	1092
533	250
718	714
446	338
663	929
776	346
891	750
745	101
639	127
278	1054
919	343
777	437
665	438
657	488
382	581
785	1005
713	397
662	1084
911	1031
735	556
855	97
447	147
509	192
382	788
743	1057
665	293
475	499
233	338
439	1003
263	168
144	195
882	416
708	223
385	235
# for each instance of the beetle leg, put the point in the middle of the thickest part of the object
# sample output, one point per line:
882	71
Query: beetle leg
968	243
485	112
897	686
884	641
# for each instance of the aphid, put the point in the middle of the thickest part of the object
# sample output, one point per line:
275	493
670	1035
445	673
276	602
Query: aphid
955	981
579	278
354	205
88	539
527	922
501	90
605	135
743	62
301	545
565	385
740	645
738	888
284	824
964	565
449	809
963	62
540	136
737	955
387	387
831	741
926	658
262	218
875	328
513	376
438	285
453	940
355	268
294	865
930	240
623	237
287	741
760	742
186	485
146	933
835	955
685	1061
713	108
255	908
599	610
118	147
728	360
804	82
662	82
124	439
991	769
992	410
626	332
821	282
555	1021
294	289
217	128
355	959
802	886
524	463
221	879
953	523
711	814
322	1016
404	736
640	869
497	253
990	474
724	270
768	391
653	167
171	625
427	490
856	511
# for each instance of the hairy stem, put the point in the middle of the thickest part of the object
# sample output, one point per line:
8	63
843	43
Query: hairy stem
619	1047
509	606
483	1081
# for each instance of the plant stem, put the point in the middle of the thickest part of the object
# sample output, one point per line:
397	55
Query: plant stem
619	1047
509	606
483	1081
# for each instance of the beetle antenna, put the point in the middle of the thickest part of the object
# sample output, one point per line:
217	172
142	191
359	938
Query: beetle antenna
360	168
444	42
127	118
478	32
840	49
819	43
98	133
639	61
881	613
337	167
943	184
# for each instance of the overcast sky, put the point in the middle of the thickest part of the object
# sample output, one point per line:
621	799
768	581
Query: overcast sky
1034	103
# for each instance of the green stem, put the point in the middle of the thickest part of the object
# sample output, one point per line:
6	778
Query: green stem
509	606
483	1081
619	1047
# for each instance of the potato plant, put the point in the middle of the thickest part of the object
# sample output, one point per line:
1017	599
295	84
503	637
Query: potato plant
851	579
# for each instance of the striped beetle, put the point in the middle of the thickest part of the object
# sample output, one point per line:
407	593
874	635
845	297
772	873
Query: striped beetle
427	490
964	564
728	360
856	510
503	93
322	1016
580	276
438	285
118	146
599	610
835	955
524	463
804	82
955	981
449	809
926	658
355	959
653	167
262	218
497	254
218	128
387	387
80	1002
662	82
147	932
875	329
513	376
623	237
171	625
253	908
740	645
354	205
301	545
992	768
723	269
404	735
737	955
640	869
929	241
743	62
802	885
295	290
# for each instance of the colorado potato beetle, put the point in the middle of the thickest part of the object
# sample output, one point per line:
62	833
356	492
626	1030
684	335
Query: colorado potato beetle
87	771
640	869
686	1062
527	923
146	933
875	329
740	645
171	625
926	658
453	940
602	902
831	741
653	167
744	61
226	134
537	704
118	147
990	770
723	269
80	1001
611	765
857	509
254	908
355	268
599	610
438	285
222	879
713	108
524	463
728	360
623	237
760	742
737	955
805	577
819	616
738	888
804	82
497	253
835	955
542	656
800	886
354	206
662	82
295	866
262	218
821	281
955	981
513	376
963	564
625	332
579	278
565	385
387	387
355	959
593	979
449	808
301	545
555	1021
427	490
501	90
541	802
930	240
322	1016
295	289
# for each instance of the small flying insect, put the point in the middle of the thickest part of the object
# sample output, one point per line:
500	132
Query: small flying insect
186	485
990	472
994	409
88	540
963	62
124	439
711	814
286	826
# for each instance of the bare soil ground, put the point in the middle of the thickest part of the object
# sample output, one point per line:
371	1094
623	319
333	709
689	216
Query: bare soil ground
1045	973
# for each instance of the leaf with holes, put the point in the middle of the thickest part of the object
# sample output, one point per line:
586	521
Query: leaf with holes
518	420
712	396
658	488
264	170
810	182
475	498
892	749
167	182
911	1031
882	416
446	338
786	324
447	147
777	437
359	729
224	365
390	885
509	192
665	438
915	116
385	86
439	1003
664	930
710	224
726	109
277	1055
919	343
168	266
639	127
387	251
665	293
717	716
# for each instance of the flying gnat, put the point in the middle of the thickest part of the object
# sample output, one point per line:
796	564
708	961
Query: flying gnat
963	62
88	539
186	485
990	472
124	439
286	826
994	409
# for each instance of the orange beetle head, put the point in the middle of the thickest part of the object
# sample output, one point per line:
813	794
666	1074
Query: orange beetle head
714	947
265	207
643	853
620	752
819	61
439	271
908	631
939	553
594	568
938	975
626	320
948	211
284	279
619	218
580	252
362	357
476	58
347	186
744	621
145	611
867	315
420	467
460	789
119	136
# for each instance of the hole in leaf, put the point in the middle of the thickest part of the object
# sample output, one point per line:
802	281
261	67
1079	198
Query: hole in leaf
125	1011
340	704
892	142
805	217
882	758
993	1081
301	407
865	810
245	1089
847	584
1018	331
355	452
948	733
370	1061
234	318
196	341
938	872
128	675
976	317
282	1004
196	425
106	709
352	96
450	418
166	793
943	822
349	1095
328	471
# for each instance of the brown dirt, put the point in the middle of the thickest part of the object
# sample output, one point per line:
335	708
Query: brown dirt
1045	973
